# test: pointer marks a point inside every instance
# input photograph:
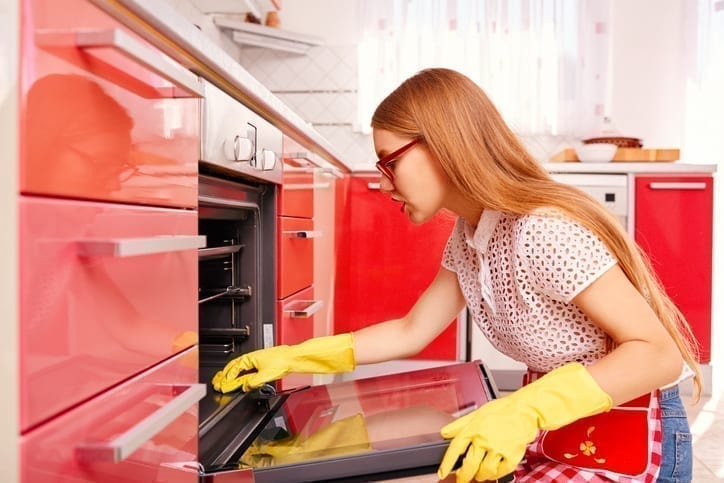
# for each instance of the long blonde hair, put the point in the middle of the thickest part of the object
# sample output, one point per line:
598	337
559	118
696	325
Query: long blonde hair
485	160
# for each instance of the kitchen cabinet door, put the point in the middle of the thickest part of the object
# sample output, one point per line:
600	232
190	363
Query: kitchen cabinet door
385	262
140	431
104	115
107	290
295	316
673	224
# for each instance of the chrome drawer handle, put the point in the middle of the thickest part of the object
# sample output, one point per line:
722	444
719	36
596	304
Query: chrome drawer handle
130	247
302	233
307	186
661	185
120	448
131	48
312	308
373	186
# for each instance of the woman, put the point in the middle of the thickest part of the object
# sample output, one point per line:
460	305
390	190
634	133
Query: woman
550	277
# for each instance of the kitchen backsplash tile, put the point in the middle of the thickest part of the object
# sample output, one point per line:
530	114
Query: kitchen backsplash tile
321	87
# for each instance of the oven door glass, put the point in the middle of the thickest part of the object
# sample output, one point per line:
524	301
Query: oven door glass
369	426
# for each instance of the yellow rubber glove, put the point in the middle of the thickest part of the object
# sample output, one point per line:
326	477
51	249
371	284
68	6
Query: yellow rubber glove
495	436
343	437
321	355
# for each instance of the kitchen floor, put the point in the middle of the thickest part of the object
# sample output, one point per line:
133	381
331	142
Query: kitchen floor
706	419
707	425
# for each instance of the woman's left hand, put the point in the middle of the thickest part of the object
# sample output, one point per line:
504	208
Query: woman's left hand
492	439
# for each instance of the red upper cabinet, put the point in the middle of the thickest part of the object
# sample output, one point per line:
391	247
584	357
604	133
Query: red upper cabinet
385	262
104	116
673	225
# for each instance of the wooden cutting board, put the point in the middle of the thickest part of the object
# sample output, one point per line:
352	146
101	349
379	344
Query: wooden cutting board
627	155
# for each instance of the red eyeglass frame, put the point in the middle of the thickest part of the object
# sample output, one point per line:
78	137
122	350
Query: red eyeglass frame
384	163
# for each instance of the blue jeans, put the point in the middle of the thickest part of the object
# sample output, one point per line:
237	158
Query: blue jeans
677	457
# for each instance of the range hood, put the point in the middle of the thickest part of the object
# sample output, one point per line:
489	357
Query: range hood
250	34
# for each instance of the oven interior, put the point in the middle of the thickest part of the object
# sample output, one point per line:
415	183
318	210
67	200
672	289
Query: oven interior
236	303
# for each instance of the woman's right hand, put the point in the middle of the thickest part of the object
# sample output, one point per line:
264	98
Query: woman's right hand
321	355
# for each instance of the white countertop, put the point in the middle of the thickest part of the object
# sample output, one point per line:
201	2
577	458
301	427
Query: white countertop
625	167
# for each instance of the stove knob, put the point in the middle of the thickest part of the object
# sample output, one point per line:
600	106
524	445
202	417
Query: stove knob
238	148
266	160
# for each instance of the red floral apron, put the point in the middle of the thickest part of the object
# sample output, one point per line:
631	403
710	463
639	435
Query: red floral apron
622	445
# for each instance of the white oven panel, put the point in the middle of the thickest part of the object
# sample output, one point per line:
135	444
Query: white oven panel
237	139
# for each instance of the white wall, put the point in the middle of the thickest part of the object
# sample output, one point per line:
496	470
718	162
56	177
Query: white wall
9	371
336	21
648	70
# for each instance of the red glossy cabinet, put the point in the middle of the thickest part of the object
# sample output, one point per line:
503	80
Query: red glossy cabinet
138	431
104	116
384	262
297	236
107	247
673	225
92	313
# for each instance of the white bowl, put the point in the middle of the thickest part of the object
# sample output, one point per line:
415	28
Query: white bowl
596	152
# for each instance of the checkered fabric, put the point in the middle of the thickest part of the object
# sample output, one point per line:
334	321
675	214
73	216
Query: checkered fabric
535	467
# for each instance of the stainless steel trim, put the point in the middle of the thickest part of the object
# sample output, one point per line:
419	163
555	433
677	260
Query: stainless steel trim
310	310
120	448
127	45
302	233
311	170
673	185
130	247
215	201
216	251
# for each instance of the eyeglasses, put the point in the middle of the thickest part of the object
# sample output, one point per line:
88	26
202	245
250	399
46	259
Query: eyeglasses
384	164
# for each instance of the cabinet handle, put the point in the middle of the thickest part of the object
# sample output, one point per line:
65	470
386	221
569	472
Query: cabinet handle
302	233
306	186
128	46
120	448
130	247
310	309
373	186
673	185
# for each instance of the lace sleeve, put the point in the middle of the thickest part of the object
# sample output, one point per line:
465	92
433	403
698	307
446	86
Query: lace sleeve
557	256
454	247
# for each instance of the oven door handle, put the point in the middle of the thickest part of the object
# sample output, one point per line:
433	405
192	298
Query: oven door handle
122	446
130	48
129	247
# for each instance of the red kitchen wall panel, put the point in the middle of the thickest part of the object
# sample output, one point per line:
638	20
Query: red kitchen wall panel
674	218
384	261
90	319
95	122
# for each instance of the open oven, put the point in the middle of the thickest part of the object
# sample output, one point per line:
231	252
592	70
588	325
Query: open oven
363	429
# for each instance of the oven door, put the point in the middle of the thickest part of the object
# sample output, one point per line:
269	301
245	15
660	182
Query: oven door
373	428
